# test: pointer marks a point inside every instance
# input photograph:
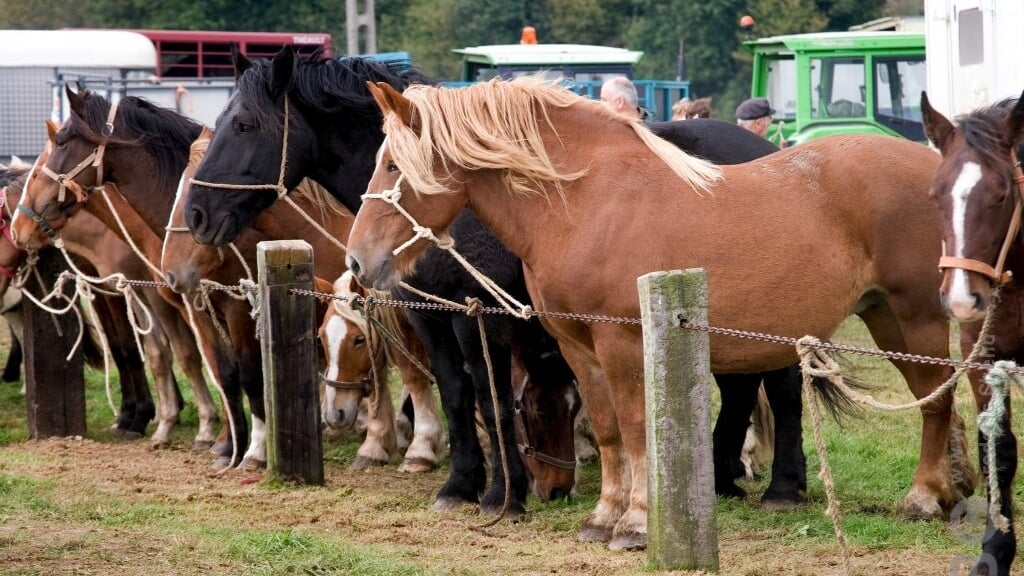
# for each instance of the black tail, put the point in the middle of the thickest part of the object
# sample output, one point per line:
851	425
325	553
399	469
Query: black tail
92	349
840	405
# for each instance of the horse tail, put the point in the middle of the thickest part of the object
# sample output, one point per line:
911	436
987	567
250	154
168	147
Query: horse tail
840	405
762	449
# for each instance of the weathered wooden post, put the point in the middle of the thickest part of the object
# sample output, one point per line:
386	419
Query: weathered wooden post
681	532
54	385
288	339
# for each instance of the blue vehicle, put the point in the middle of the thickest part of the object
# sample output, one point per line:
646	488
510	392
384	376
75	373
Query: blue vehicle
583	67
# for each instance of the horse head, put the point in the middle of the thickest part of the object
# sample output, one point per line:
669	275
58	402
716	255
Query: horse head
12	179
61	179
546	405
980	203
389	234
350	361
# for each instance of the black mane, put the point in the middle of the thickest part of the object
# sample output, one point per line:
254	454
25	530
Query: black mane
163	133
326	87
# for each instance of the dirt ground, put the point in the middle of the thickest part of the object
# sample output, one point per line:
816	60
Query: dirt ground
381	508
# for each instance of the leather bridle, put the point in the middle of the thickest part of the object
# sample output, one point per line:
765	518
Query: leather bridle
526	446
66	180
364	385
996	273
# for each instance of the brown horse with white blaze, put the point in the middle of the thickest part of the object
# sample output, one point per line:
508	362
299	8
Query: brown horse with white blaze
792	243
979	191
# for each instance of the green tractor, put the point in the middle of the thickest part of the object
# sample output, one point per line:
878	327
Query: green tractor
862	82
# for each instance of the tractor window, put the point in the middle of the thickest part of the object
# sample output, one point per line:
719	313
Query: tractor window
837	87
899	82
781	87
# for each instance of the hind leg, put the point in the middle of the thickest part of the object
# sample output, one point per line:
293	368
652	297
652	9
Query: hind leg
739	394
12	369
789	467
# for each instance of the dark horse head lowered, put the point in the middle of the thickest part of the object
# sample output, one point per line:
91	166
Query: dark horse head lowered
242	172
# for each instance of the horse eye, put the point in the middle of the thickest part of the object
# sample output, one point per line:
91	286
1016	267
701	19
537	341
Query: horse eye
392	167
245	128
359	341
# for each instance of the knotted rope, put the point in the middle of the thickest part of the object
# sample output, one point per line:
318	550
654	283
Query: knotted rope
990	423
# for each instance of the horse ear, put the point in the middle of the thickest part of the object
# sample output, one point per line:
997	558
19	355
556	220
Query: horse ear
936	126
51	129
239	60
76	102
390	100
1015	123
282	69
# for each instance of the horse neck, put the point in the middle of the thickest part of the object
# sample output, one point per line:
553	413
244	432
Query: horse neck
281	222
345	161
134	171
135	229
88	237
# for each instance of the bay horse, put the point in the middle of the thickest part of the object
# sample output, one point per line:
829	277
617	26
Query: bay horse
185	263
247	151
99	252
979	190
142	150
590	200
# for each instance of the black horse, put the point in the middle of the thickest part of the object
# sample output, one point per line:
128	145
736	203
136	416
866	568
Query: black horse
333	133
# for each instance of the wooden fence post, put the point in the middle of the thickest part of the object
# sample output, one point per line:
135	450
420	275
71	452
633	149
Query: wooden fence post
681	532
288	339
54	385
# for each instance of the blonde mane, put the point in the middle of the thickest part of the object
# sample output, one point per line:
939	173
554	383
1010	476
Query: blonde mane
347	287
496	125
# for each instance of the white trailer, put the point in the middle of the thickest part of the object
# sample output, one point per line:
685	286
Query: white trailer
973	52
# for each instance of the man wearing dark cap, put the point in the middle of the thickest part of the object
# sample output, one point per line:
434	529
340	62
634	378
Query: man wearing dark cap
755	114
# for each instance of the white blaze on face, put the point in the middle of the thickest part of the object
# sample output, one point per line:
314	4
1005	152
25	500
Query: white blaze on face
960	291
336	330
31	173
170	221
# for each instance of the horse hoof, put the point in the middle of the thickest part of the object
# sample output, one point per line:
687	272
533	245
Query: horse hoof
599	534
918	506
218	448
130	435
779	504
730	490
159	444
446	503
628	541
364	462
417	465
222	462
516	511
250	464
202	445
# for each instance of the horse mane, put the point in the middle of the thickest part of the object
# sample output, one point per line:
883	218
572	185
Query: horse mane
495	125
347	287
983	130
319	197
161	132
326	86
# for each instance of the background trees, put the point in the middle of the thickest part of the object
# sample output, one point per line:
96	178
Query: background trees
712	55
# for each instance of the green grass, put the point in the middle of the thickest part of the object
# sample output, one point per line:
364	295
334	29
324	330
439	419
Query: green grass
873	458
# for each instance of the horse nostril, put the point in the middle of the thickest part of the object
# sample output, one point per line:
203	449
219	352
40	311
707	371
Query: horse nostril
353	265
979	301
557	493
197	219
341	415
171	280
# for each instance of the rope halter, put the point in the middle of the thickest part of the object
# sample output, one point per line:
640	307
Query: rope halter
996	273
66	180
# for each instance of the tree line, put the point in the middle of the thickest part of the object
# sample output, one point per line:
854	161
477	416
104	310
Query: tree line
704	32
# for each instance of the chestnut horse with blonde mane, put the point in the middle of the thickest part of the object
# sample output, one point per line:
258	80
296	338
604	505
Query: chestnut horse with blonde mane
793	243
979	191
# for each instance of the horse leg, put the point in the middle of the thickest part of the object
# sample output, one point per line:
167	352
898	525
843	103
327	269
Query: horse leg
250	362
998	547
158	351
186	352
380	443
615	470
467	477
932	491
137	407
428	439
739	394
789	466
501	372
15	355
